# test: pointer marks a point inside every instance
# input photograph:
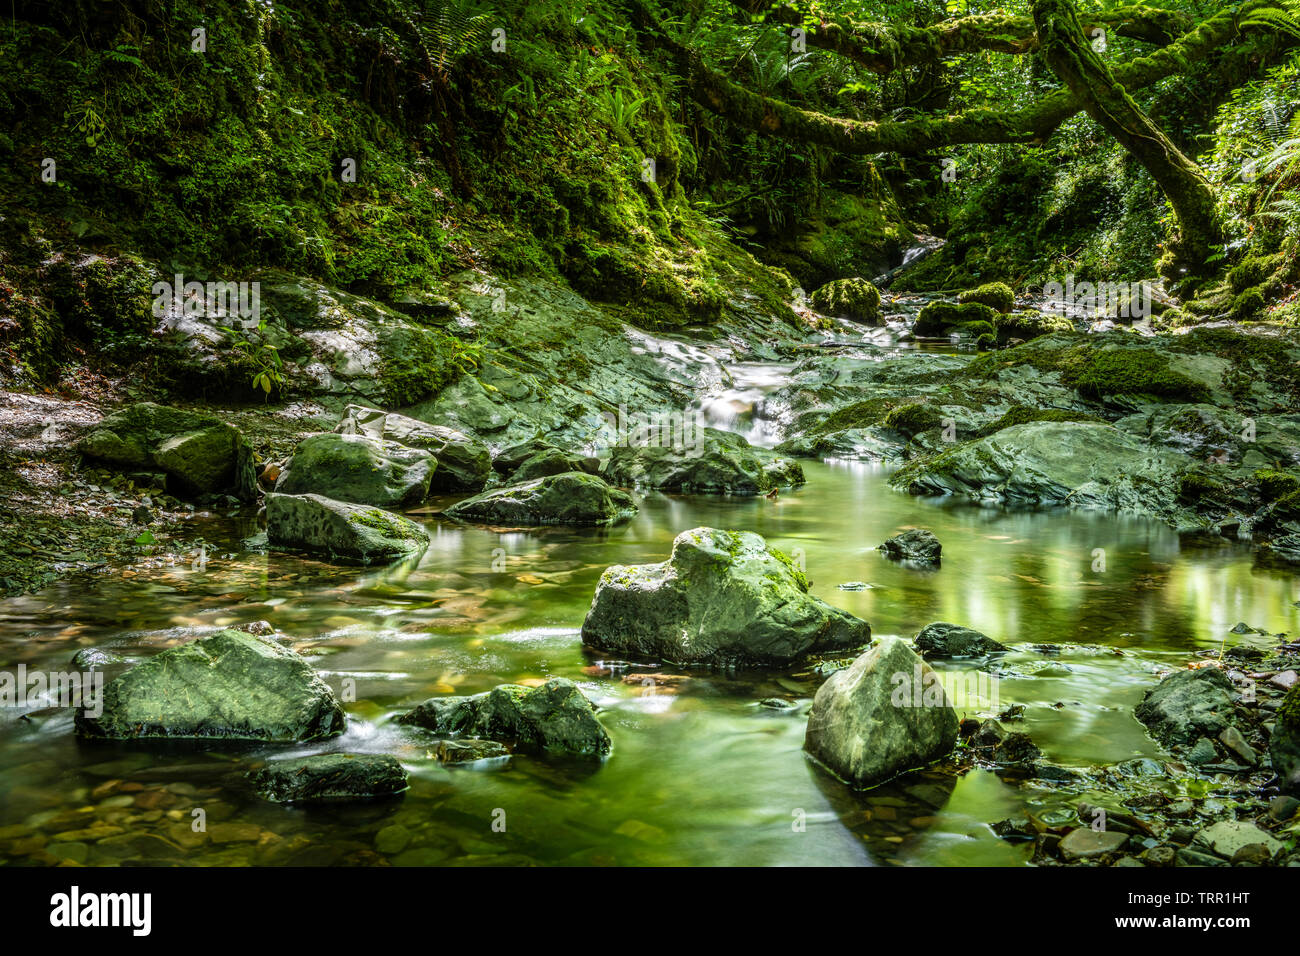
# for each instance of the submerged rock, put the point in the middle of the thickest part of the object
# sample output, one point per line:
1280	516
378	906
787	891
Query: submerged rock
324	778
1187	705
941	639
916	545
229	686
464	463
554	718
718	463
567	498
202	453
722	597
341	531
358	469
883	715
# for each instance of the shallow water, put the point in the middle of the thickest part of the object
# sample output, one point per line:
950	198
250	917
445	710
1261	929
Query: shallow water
703	776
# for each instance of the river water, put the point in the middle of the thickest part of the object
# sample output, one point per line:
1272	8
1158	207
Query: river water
699	775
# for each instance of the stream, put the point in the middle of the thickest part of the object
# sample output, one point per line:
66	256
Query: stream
701	773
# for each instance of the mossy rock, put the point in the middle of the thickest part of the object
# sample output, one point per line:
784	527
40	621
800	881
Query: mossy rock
941	318
1110	372
912	419
1022	415
228	686
855	299
996	295
1029	325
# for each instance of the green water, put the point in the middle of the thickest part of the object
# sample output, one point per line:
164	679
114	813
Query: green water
702	776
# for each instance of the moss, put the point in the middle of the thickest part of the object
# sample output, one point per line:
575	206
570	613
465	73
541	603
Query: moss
416	364
800	578
855	299
1247	305
381	521
1131	372
997	295
1023	415
939	318
912	419
858	415
1029	325
1275	485
1252	357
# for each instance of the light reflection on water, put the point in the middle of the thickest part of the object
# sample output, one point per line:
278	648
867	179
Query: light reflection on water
704	776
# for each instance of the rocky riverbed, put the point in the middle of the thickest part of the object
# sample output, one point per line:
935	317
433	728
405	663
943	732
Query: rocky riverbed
518	579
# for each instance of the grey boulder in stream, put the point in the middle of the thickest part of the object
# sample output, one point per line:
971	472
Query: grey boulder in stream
350	534
881	716
568	498
229	686
722	597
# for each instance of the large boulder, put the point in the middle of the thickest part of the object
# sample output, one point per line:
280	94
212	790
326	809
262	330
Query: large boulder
203	454
1050	463
915	546
855	299
941	639
464	463
228	686
554	718
359	469
1186	705
568	498
944	318
1284	745
326	778
353	534
717	463
883	715
722	597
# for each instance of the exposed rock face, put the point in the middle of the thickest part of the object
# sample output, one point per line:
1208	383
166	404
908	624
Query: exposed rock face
1049	463
229	686
550	461
722	597
340	531
1187	705
358	469
855	299
464	463
720	463
555	718
202	453
940	639
916	546
883	715
568	498
325	778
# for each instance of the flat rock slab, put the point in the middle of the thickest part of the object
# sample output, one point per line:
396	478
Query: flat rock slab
1227	837
324	778
228	686
1086	844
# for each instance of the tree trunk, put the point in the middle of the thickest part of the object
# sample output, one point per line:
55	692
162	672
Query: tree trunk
1072	58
